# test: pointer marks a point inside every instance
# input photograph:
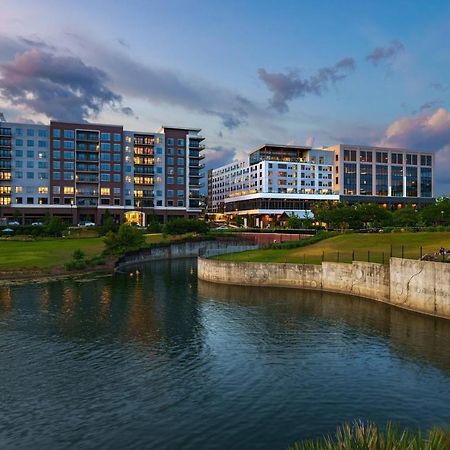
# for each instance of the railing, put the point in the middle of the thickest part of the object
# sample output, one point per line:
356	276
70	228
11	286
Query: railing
372	256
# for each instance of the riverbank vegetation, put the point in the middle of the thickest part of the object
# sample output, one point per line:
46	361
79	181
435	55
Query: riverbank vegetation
369	436
374	247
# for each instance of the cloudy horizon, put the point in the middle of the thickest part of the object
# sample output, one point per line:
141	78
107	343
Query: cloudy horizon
246	76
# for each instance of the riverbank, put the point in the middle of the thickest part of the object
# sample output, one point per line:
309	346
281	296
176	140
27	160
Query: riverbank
419	286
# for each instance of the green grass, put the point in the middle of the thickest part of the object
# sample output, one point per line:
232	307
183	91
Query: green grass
376	244
48	253
367	436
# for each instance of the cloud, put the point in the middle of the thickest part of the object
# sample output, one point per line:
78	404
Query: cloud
61	87
428	131
440	87
382	54
288	86
309	142
219	155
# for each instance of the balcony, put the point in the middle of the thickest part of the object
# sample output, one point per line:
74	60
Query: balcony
88	137
5	154
196	155
90	180
196	145
195	164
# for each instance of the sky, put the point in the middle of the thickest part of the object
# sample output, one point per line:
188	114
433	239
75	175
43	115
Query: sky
309	72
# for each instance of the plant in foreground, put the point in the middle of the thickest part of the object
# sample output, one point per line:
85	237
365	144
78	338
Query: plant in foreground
368	436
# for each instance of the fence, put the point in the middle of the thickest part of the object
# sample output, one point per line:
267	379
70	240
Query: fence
375	256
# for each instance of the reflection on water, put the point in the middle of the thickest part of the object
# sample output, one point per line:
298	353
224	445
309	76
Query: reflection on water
151	358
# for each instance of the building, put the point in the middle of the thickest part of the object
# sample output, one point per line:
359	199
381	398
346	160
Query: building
80	171
277	180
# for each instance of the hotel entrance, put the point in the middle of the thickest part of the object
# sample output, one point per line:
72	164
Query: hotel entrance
136	217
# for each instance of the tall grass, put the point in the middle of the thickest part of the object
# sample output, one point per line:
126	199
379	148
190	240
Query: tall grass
367	436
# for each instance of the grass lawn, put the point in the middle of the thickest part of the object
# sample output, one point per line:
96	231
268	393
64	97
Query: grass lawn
376	244
47	253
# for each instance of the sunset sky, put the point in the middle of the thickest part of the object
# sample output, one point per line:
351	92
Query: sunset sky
247	73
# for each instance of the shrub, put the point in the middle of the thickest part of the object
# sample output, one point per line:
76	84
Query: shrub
97	260
76	264
126	238
304	242
54	226
78	255
182	226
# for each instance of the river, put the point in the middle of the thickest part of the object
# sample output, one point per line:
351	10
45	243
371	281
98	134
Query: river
153	358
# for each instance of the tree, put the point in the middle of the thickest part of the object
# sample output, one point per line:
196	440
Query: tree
405	217
108	224
181	226
54	226
438	213
125	239
294	222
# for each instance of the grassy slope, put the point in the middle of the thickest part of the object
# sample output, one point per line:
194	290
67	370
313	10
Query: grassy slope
47	253
344	244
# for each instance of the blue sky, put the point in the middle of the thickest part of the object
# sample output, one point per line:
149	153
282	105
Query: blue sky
245	72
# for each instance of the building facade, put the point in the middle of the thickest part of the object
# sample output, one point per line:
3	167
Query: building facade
280	180
81	171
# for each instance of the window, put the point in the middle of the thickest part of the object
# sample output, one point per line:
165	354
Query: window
42	165
105	191
56	154
56	143
117	137
180	142
56	189
69	134
43	190
117	157
180	180
19	200
180	170
105	146
116	167
105	156
68	176
117	147
105	167
18	175
169	180
56	165
69	144
397	158
180	203
42	144
170	193
105	177
170	161
30	164
170	141
19	164
180	161
19	142
30	143
116	178
19	131
180	152
30	176
69	155
42	133
19	153
18	189
159	193
159	170
30	154
105	136
69	165
425	160
30	132
43	200
57	176
170	151
42	155
159	151
30	200
180	193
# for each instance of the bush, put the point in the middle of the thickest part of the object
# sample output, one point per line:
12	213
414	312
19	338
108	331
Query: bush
153	225
76	264
182	226
54	226
127	238
304	242
98	260
108	224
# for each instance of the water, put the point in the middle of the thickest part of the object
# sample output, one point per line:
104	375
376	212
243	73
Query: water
162	361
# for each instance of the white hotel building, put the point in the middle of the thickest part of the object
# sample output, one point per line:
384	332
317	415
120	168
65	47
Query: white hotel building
280	180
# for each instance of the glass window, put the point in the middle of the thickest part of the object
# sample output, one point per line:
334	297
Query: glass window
170	141
105	146
42	175
57	176
116	167
30	132
170	151
69	155
180	180
19	142
30	154
56	133
105	136
30	175
19	164
105	177
68	176
43	133
69	144
159	170
117	137
30	164
69	134
397	181
180	193
56	154
170	193
19	131
42	164
365	179
180	142
19	153
105	167
69	165
105	157
180	152
56	143
117	157
159	151
56	165
30	143
42	144
170	161
116	178
117	147
180	170
169	180
180	161
18	175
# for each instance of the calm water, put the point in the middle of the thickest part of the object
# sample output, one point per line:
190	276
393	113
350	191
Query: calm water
163	361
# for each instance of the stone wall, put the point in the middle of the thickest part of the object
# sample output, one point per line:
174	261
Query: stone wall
188	249
417	285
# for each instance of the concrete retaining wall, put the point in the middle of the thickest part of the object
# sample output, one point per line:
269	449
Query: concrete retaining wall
190	249
417	285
